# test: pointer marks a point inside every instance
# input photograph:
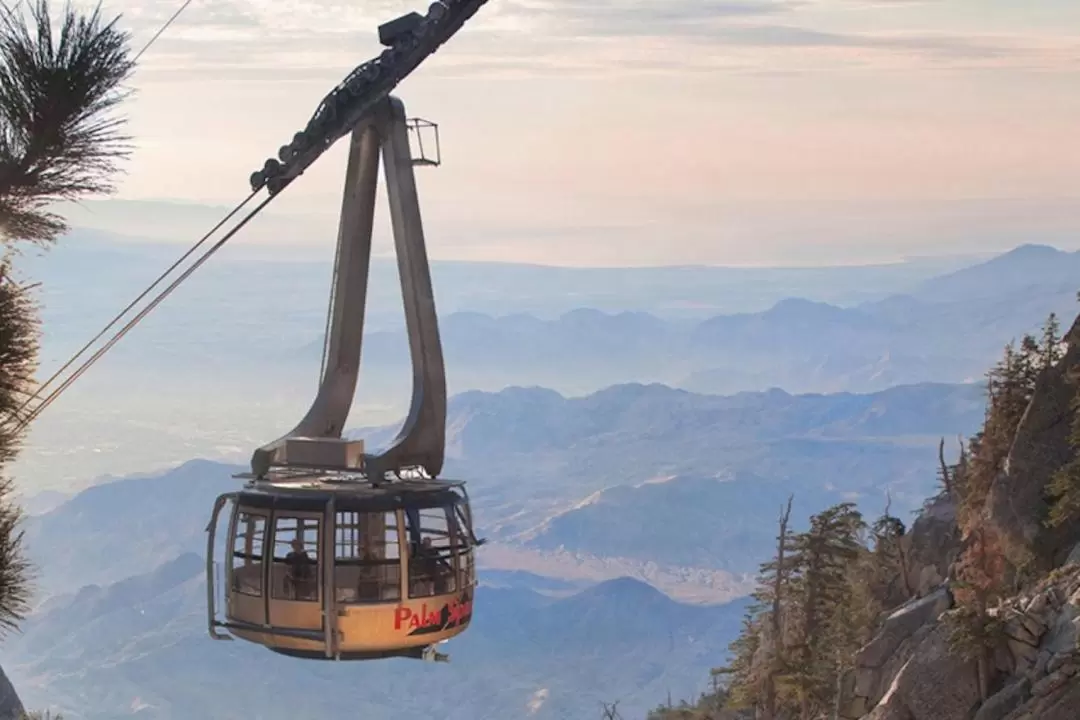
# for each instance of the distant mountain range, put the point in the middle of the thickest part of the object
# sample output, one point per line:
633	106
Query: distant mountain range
644	474
243	340
535	462
948	329
139	647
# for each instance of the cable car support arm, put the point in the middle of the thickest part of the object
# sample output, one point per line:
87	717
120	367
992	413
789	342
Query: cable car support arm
315	442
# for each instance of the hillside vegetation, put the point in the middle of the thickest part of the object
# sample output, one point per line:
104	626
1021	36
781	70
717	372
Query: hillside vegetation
847	612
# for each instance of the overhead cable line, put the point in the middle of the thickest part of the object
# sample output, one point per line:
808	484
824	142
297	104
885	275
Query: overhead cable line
126	310
161	30
26	420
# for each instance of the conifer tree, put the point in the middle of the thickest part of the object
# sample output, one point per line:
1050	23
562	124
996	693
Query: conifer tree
1064	487
58	141
753	685
824	556
1052	350
888	559
984	563
973	632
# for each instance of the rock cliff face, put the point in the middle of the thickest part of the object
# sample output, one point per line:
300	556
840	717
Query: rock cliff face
907	671
11	708
1016	505
932	545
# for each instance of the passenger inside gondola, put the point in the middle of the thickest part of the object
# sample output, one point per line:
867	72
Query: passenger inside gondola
300	572
429	572
370	572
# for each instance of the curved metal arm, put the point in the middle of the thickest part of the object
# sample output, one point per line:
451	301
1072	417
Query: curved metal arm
422	438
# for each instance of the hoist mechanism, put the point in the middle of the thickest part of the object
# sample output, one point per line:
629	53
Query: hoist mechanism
409	39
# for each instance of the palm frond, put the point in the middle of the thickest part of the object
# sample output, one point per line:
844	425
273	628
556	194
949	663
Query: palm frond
59	139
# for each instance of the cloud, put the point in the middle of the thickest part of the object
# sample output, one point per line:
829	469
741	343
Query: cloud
642	18
543	37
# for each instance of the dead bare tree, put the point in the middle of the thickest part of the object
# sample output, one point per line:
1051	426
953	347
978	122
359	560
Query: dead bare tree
611	712
946	478
901	553
776	661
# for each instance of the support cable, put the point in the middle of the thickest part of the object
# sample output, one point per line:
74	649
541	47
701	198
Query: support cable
161	30
132	304
48	400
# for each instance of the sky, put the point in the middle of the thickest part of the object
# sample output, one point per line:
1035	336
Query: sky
644	132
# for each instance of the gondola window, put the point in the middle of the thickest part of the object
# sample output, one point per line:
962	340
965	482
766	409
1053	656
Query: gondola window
248	554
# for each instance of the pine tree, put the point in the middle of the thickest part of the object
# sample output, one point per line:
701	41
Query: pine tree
18	360
58	137
1064	487
58	141
983	566
973	632
823	559
751	684
1052	346
888	559
780	579
1010	387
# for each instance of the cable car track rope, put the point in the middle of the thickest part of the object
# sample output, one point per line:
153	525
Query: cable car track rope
48	400
161	30
409	43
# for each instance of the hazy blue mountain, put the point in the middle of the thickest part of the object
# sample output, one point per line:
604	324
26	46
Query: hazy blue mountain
126	527
801	345
1026	268
140	647
531	456
702	522
42	502
243	338
128	240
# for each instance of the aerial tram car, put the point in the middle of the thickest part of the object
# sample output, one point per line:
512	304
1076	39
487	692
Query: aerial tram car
332	551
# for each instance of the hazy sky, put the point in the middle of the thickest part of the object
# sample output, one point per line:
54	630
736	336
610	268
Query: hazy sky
651	131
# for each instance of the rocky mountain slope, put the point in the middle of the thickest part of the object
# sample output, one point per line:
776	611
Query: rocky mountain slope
971	613
912	671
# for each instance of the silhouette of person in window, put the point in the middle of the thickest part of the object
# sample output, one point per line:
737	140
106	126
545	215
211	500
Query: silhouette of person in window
369	571
300	572
432	573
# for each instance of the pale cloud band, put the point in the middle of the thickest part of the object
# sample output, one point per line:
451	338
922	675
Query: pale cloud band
615	36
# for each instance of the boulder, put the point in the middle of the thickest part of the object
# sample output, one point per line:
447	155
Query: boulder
1004	702
1064	634
902	624
1074	555
934	684
1061	703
